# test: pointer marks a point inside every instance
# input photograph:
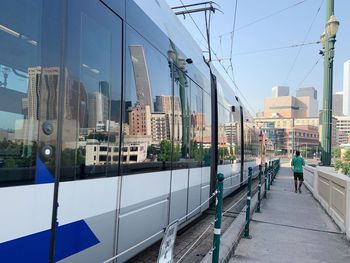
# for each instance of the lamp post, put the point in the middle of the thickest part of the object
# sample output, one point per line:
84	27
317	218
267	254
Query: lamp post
178	69
328	41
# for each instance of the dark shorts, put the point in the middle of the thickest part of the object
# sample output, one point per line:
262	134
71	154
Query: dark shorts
298	176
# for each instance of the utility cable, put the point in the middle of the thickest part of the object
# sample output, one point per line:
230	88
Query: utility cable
310	71
301	47
274	48
216	56
232	37
264	17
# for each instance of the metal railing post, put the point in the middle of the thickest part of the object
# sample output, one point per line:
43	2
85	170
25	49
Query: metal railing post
271	173
249	197
259	190
265	175
268	176
217	225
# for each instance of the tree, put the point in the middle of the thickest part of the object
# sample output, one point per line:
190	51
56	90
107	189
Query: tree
336	153
177	152
347	156
165	151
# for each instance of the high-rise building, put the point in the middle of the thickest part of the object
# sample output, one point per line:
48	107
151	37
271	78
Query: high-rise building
48	92
98	106
33	100
140	120
308	97
346	89
305	104
343	127
338	104
160	127
279	91
285	106
164	104
142	81
103	87
307	92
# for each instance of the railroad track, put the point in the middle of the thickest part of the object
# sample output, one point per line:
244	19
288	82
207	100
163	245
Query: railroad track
195	240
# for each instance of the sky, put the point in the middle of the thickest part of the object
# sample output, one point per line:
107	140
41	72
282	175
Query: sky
256	73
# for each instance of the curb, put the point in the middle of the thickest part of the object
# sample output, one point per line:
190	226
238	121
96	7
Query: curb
232	236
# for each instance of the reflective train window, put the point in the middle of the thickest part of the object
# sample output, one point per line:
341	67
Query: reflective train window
20	43
148	107
227	132
91	124
196	125
206	133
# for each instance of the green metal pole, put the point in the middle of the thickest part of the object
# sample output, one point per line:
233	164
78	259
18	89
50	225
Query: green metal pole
259	189
265	175
249	197
326	155
217	225
272	171
269	176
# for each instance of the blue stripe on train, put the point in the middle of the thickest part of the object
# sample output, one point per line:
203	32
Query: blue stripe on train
70	239
42	175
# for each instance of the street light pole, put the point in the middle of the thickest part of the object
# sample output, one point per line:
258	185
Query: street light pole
328	41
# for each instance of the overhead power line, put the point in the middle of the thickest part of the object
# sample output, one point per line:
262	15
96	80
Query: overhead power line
232	37
217	58
264	18
275	48
310	71
301	47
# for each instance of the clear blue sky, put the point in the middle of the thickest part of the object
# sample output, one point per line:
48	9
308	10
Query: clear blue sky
255	74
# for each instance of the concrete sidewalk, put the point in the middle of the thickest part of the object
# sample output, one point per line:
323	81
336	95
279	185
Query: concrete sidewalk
292	228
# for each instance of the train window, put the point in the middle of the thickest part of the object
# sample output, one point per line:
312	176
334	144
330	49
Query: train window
148	110
92	92
206	129
196	125
181	135
20	72
226	151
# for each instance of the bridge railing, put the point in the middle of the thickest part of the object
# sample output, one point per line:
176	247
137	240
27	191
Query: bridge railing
332	190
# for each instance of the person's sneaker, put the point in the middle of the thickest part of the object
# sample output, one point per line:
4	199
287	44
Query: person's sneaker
299	191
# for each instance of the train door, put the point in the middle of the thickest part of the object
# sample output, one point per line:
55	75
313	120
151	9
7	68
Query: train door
29	113
87	196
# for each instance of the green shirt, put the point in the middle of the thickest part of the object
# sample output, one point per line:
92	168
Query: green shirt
298	163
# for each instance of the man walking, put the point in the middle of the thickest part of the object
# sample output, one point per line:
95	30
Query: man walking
297	166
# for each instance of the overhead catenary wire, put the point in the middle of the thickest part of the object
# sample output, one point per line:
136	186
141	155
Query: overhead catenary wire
264	17
310	71
232	37
275	48
304	40
216	56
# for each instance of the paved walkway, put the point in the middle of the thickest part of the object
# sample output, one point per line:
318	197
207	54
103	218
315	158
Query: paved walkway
292	228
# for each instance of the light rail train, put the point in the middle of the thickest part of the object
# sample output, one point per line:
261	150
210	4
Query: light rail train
112	126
